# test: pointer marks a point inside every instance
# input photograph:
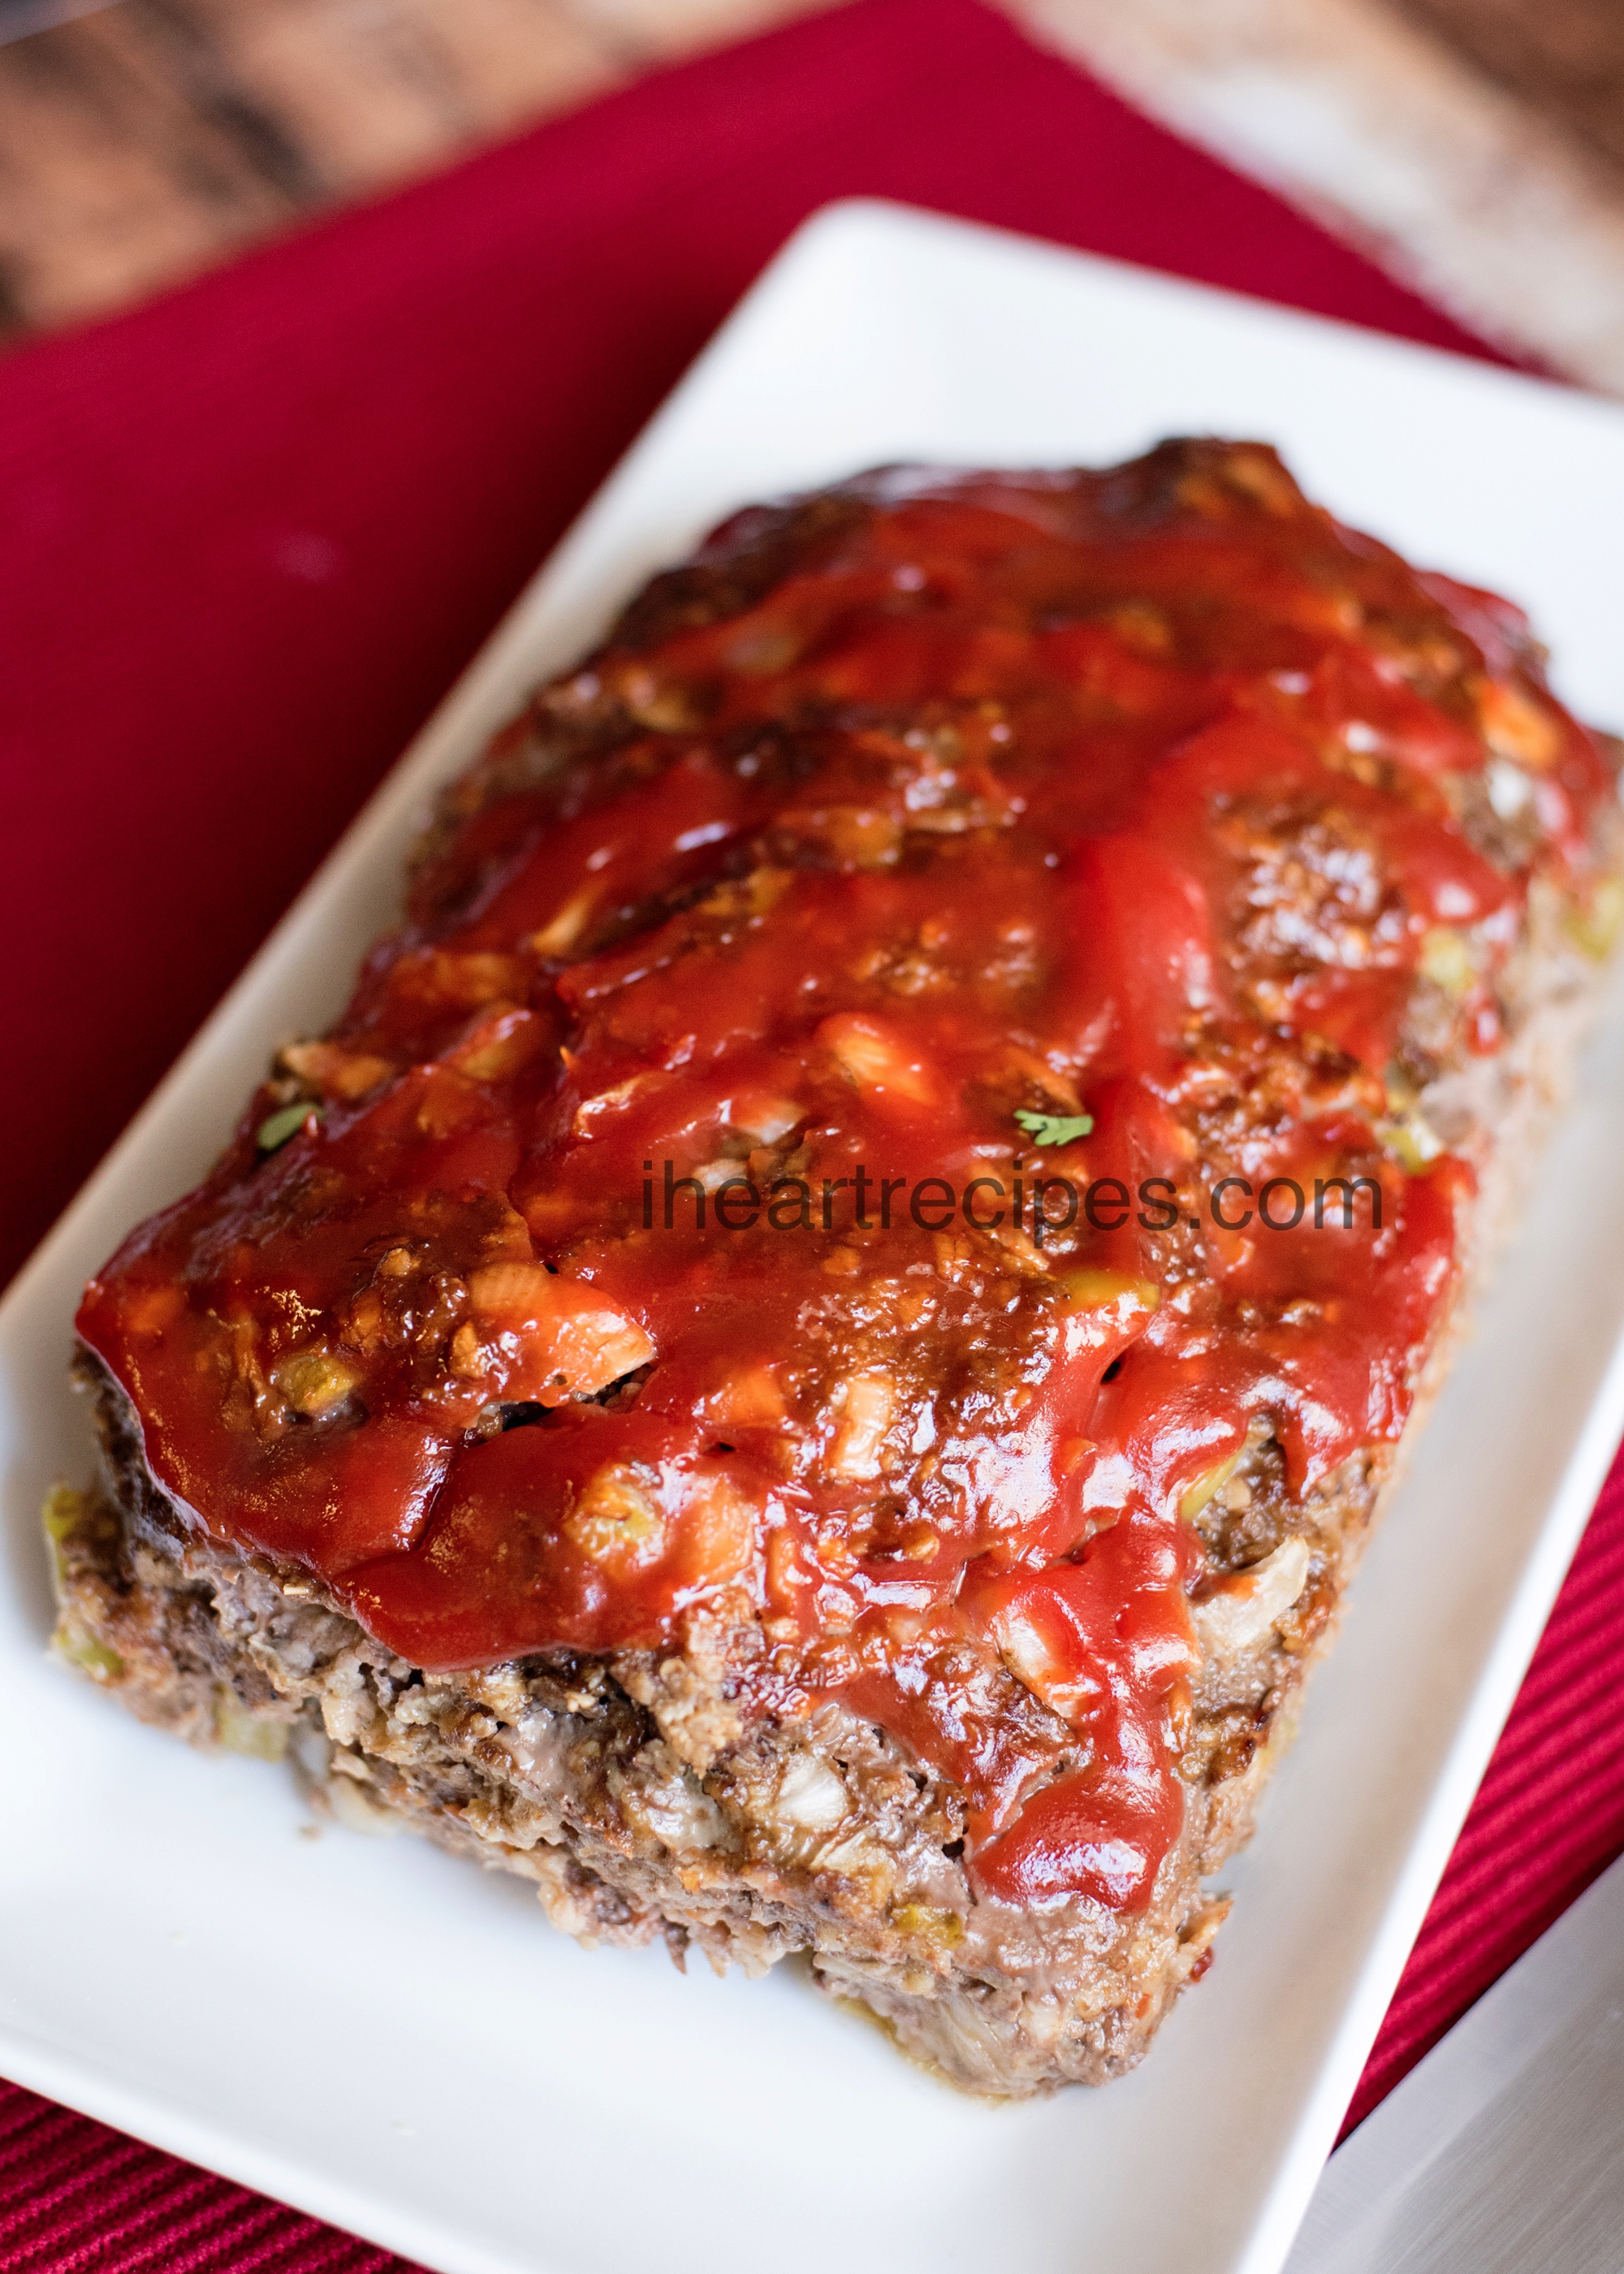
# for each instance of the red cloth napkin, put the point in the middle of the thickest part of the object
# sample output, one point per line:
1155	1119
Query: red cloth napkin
254	530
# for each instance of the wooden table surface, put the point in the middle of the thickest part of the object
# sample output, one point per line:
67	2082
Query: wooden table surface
1564	57
142	141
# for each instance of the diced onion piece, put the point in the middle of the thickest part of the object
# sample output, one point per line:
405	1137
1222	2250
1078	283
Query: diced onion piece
749	1398
1027	1653
811	1795
1237	1617
611	1101
617	1524
567	1340
559	935
763	1115
335	1071
517	1295
877	1058
498	1046
462	981
719	1532
866	1405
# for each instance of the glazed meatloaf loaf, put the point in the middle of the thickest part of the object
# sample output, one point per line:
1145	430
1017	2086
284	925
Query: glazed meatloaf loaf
807	1364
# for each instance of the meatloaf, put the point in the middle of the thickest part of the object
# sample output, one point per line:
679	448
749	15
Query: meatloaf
808	1363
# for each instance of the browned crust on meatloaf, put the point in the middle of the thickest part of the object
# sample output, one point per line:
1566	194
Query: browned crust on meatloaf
629	1788
628	1791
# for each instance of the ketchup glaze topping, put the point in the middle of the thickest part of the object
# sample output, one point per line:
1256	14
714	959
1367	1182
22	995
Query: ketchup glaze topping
556	1299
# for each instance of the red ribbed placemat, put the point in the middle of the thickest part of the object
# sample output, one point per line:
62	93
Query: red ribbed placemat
77	2199
1549	1814
254	532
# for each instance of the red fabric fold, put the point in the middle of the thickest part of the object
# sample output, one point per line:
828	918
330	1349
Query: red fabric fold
256	529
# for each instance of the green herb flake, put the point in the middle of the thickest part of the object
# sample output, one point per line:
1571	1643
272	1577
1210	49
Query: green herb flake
1054	1128
286	1122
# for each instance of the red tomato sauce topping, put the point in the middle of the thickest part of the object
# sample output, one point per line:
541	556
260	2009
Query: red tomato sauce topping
772	1175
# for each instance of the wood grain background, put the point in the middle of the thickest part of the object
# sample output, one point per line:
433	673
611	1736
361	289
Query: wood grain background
143	140
1564	57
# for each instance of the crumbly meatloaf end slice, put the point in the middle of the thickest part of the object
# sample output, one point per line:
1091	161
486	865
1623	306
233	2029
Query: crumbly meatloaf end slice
632	1792
932	1601
639	1800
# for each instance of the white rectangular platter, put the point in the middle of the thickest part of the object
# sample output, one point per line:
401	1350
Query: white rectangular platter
399	2044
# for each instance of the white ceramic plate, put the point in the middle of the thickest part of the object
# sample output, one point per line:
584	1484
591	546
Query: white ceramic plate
400	2044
